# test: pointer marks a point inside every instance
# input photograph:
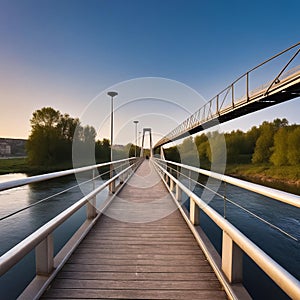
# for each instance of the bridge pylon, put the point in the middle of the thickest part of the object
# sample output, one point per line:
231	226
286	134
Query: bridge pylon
150	135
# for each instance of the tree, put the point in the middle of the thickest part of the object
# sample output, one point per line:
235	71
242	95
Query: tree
280	150
44	137
216	152
280	123
52	136
102	150
67	127
250	139
235	145
47	117
264	143
172	154
293	154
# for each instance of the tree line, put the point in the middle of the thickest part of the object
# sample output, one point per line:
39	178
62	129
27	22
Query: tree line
274	142
52	135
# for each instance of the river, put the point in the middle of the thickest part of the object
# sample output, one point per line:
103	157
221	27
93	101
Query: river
280	247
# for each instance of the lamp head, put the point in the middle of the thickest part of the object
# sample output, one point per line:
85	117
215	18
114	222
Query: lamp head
112	94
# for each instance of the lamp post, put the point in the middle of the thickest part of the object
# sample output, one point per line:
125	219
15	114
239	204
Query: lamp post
112	95
135	122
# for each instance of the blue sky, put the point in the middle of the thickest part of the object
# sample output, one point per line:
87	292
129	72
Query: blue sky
64	53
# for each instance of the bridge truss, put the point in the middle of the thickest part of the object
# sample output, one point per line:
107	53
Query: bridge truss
228	105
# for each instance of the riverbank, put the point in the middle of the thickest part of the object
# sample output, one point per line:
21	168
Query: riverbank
20	165
286	178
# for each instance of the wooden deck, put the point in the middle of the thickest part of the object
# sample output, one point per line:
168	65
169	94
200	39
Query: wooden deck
125	258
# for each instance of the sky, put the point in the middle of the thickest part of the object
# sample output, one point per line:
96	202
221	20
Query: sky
164	58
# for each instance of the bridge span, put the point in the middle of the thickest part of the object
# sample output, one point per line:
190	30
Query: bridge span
228	104
143	243
153	257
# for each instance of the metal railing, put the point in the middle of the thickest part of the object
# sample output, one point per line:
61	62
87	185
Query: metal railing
47	265
227	99
234	243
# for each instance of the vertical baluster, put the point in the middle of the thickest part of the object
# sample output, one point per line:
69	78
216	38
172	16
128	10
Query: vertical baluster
194	212
91	204
178	193
247	86
44	256
232	95
232	259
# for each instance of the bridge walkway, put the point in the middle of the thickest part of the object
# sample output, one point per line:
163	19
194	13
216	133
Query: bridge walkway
140	249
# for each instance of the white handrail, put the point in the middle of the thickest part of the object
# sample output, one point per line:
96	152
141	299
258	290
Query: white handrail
14	255
287	282
281	196
23	181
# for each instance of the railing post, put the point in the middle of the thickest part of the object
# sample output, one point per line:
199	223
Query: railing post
194	212
44	256
112	185
121	176
91	208
178	193
167	176
247	86
232	259
91	204
171	184
232	95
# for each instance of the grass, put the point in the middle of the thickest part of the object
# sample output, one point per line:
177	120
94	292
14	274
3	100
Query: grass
13	165
286	178
20	165
288	173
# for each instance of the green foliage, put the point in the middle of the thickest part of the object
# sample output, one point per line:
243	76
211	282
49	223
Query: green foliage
172	154
264	143
237	146
188	152
275	142
280	150
52	135
102	151
293	154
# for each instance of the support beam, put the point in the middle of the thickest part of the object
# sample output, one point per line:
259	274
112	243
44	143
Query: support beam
178	193
194	212
91	209
44	256
232	259
143	139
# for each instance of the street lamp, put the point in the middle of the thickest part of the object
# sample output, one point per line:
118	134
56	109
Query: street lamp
135	122
112	95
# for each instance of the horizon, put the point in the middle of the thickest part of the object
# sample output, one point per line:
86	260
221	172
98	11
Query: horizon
68	57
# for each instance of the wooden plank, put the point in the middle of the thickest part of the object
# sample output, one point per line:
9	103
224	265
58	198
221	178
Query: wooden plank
142	256
137	276
136	262
132	268
159	259
136	285
140	248
132	294
181	249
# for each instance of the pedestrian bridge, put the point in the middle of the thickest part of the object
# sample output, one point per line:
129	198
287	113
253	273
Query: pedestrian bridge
143	243
146	240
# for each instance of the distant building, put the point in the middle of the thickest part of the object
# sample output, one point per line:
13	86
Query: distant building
5	149
12	147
